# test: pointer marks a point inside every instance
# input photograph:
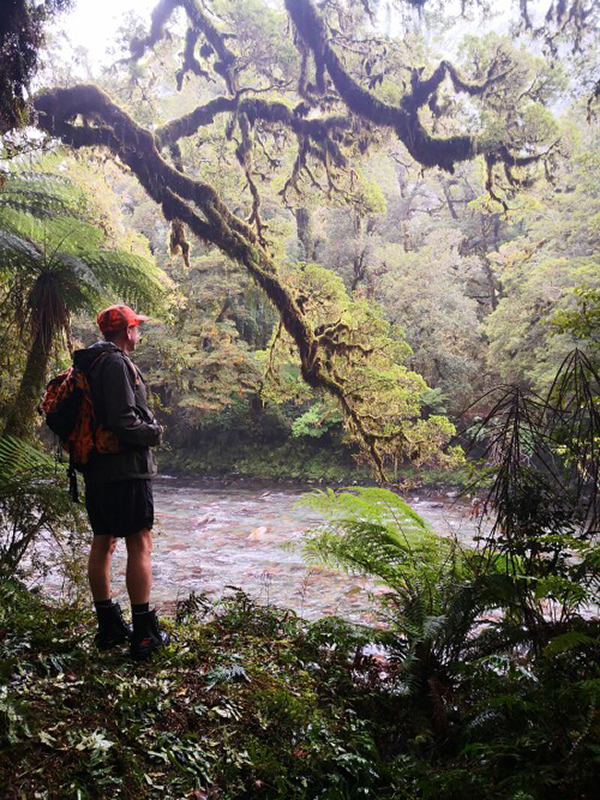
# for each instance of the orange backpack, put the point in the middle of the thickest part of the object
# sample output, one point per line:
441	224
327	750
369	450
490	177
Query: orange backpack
69	409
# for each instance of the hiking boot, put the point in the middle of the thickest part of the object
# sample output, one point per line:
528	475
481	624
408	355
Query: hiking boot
147	636
112	628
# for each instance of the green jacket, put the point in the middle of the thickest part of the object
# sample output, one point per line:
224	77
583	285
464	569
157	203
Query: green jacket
121	405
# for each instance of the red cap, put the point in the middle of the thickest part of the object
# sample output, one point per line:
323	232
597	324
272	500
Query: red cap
116	318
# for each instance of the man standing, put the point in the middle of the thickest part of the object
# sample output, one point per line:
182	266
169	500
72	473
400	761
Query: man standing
118	485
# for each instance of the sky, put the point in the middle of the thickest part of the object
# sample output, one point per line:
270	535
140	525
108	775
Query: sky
92	23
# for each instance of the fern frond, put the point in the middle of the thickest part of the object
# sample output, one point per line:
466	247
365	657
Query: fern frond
19	459
41	194
376	533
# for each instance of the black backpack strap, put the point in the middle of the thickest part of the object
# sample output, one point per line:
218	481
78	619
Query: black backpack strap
133	370
71	472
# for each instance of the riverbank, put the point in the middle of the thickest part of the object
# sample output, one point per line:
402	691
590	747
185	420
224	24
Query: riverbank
295	461
291	460
257	704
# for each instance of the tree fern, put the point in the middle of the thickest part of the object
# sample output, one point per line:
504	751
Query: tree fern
55	263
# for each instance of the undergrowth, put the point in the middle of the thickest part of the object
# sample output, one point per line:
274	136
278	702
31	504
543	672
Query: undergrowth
252	702
296	461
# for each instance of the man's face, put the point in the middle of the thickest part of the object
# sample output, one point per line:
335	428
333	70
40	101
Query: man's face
133	334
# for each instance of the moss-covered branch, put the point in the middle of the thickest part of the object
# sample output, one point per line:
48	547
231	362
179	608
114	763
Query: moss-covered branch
256	109
197	205
404	119
199	24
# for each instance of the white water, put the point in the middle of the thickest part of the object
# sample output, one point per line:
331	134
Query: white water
210	535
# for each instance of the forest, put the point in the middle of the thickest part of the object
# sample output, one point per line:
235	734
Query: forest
365	235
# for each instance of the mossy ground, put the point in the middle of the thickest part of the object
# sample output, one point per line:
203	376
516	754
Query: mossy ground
234	707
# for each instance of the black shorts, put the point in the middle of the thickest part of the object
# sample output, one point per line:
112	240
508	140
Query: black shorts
121	508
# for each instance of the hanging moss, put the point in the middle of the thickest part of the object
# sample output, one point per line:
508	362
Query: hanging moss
178	243
428	150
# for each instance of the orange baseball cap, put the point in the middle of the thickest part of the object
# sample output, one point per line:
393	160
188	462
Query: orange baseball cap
119	317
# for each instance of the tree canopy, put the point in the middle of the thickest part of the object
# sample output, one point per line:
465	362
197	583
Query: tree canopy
283	102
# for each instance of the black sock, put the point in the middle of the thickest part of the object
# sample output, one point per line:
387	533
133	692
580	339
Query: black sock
103	603
140	608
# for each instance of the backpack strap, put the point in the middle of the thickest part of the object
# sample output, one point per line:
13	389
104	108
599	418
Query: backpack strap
132	369
71	472
97	359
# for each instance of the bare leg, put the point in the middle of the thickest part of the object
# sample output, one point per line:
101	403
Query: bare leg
139	569
99	566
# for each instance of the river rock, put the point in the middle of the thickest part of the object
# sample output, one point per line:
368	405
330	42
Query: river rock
204	520
258	533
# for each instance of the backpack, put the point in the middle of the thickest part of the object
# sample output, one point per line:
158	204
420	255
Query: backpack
69	409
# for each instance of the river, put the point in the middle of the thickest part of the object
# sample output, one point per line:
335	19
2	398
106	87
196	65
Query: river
210	535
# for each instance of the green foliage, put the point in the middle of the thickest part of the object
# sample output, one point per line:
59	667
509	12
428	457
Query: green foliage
317	421
425	292
582	322
370	365
541	317
40	527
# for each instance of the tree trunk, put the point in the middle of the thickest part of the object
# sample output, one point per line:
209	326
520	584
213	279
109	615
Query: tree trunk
21	416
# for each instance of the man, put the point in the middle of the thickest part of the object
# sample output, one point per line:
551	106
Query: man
118	485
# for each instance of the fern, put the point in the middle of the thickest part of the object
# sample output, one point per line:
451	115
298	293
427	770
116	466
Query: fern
19	460
569	641
376	533
33	505
438	589
41	194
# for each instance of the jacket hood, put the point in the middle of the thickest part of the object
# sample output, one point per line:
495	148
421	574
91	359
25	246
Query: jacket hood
83	359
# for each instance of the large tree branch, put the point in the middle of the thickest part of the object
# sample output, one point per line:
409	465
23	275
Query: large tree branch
428	150
257	109
106	125
250	110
